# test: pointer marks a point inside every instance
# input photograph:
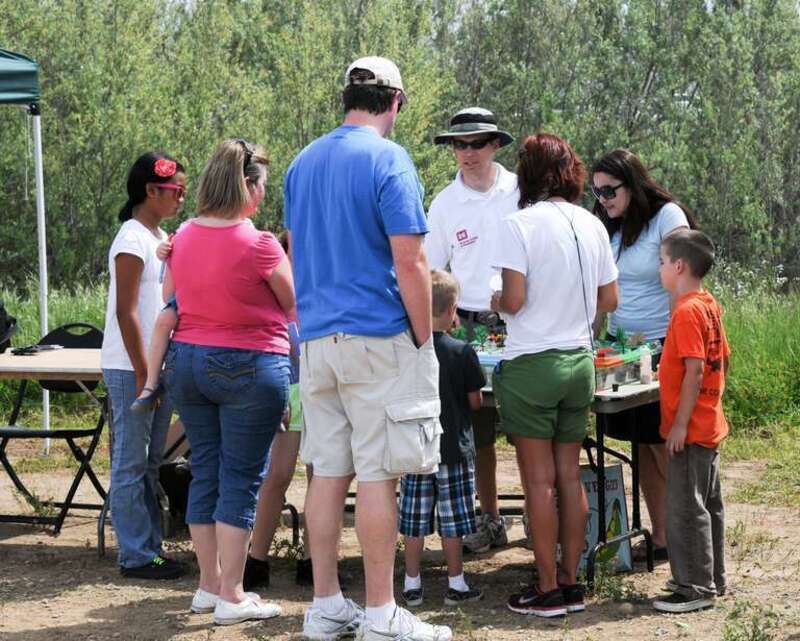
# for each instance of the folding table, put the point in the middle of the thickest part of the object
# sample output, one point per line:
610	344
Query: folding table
79	366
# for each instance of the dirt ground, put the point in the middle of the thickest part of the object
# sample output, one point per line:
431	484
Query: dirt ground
56	588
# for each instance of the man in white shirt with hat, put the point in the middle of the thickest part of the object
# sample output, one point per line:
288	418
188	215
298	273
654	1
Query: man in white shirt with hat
464	219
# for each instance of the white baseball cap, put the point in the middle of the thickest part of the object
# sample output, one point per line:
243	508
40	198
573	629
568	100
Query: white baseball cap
385	72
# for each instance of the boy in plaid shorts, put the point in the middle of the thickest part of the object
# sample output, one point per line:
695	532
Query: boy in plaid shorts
450	491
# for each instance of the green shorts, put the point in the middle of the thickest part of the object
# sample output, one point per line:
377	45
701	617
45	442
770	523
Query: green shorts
546	395
296	420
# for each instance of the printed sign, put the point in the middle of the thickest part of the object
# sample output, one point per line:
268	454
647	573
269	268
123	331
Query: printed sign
619	554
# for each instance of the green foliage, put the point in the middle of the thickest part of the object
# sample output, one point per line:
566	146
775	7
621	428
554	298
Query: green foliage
611	586
707	93
748	621
83	303
763	384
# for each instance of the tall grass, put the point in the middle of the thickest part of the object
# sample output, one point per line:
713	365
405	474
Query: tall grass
83	303
760	315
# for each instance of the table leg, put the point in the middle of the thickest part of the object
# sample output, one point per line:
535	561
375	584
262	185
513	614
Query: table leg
601	500
637	510
637	517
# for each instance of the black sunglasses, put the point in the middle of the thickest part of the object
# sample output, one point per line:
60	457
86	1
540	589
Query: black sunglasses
248	153
606	192
472	144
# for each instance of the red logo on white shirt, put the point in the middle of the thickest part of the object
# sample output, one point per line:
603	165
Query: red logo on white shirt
462	236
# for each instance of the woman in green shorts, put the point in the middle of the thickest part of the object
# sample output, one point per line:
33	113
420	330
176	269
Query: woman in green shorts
558	272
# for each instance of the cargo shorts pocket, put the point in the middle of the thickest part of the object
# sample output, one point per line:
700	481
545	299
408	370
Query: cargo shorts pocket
412	436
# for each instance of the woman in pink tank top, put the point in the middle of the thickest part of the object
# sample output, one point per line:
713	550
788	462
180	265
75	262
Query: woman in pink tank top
227	368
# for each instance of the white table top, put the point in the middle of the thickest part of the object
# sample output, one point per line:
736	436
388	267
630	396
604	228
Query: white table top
53	365
627	396
626	391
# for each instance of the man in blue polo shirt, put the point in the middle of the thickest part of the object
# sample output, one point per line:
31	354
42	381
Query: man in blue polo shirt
368	374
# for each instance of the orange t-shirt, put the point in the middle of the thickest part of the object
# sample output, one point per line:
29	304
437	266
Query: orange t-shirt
695	331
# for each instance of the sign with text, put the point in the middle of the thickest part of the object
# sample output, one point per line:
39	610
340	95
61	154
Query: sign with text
617	555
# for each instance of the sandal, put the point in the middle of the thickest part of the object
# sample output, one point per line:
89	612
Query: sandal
146	403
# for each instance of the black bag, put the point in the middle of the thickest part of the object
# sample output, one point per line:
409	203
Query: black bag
175	477
8	325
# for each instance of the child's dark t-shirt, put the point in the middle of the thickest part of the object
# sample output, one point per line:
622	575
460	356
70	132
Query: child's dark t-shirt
459	373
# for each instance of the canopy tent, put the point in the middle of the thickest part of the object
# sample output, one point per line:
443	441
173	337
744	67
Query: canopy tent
19	85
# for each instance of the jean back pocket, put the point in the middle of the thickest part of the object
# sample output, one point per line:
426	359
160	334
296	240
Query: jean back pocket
231	371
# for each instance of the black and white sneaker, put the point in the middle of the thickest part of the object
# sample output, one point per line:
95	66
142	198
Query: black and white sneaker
160	568
678	603
573	597
457	597
541	604
413	598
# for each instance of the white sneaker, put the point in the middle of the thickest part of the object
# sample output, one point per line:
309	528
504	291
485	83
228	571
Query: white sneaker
404	626
318	626
227	613
204	602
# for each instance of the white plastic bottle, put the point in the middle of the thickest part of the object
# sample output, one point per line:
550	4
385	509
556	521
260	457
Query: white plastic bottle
646	365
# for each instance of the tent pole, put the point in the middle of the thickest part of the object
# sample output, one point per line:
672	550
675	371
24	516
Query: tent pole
40	229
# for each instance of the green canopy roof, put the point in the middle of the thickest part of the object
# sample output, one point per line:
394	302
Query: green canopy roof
19	82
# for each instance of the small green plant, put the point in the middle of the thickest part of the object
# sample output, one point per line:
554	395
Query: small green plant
609	585
41	507
746	544
286	549
748	621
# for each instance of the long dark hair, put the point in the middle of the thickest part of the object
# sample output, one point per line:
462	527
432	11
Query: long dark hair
647	196
142	172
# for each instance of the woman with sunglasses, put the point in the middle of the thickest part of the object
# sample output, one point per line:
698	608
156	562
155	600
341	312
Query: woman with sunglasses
638	213
227	368
156	184
558	272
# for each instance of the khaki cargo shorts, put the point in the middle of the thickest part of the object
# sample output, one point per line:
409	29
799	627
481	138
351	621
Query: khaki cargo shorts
371	406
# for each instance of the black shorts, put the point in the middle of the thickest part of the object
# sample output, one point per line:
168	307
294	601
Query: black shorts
484	426
645	419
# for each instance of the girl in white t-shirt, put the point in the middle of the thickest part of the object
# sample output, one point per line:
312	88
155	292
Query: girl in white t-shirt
558	271
156	188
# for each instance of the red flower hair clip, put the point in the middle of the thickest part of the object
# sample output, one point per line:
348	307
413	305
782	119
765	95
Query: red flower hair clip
165	168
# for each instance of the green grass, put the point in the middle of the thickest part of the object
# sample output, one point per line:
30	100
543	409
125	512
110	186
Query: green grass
83	303
748	621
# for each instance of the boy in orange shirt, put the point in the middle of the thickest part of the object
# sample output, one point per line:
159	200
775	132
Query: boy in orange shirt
692	375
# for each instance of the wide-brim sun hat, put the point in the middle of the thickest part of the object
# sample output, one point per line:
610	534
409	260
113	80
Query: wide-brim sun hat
471	121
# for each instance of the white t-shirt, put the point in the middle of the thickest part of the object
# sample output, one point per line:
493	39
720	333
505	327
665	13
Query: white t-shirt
539	243
135	239
463	226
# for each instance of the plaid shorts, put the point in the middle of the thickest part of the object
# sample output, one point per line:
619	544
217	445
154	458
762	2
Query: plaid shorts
451	491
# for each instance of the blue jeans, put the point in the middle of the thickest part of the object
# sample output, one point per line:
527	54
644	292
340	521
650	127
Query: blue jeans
231	402
138	448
